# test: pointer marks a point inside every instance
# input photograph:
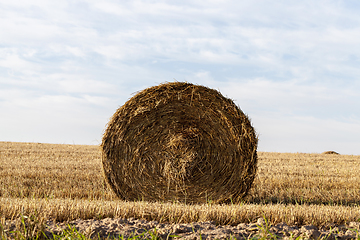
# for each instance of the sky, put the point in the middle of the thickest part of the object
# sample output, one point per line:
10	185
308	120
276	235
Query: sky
292	66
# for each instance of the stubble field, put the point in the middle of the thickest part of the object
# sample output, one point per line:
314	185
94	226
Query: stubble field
65	183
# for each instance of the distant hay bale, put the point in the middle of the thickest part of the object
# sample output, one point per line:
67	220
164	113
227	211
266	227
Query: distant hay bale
180	142
330	152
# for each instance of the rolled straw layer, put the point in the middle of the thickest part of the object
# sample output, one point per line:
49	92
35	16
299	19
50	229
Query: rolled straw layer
180	142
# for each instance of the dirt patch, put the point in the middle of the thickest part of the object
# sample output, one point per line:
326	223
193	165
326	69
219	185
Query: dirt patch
197	230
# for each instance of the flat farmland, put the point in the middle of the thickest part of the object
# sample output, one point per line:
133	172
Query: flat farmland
65	182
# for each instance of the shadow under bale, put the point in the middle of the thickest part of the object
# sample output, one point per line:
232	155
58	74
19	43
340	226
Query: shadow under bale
180	142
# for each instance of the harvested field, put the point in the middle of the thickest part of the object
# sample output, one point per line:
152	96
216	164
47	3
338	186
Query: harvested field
65	183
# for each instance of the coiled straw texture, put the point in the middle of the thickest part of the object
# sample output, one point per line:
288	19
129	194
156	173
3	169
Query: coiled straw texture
180	142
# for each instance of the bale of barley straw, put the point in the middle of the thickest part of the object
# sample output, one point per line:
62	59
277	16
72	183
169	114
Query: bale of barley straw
180	142
331	152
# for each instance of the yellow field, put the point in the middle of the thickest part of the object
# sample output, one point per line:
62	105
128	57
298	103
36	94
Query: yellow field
64	182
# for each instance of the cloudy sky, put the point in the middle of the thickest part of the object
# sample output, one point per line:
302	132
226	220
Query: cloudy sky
292	66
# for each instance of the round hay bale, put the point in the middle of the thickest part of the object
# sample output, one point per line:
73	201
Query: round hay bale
180	142
331	152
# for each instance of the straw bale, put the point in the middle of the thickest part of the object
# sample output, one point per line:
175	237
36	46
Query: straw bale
180	142
331	152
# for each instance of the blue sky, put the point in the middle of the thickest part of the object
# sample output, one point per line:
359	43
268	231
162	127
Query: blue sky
292	66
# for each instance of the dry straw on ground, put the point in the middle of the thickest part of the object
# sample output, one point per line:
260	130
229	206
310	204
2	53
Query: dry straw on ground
299	188
180	142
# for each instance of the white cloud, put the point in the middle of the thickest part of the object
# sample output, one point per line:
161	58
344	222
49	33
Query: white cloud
291	64
70	84
113	52
112	8
76	51
11	60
